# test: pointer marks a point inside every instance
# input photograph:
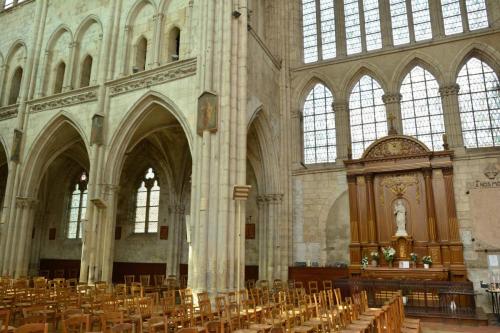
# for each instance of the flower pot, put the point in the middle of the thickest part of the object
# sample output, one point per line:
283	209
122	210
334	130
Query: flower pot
426	266
374	263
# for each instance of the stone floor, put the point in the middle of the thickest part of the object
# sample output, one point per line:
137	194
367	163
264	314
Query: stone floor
427	327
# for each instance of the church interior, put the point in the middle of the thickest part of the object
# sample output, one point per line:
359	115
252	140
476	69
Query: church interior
249	166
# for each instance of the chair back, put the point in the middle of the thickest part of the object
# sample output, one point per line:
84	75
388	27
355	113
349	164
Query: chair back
144	280
327	284
122	327
76	324
33	328
4	321
128	279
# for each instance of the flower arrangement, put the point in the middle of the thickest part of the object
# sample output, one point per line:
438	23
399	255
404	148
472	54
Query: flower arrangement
413	257
364	261
427	260
389	253
374	255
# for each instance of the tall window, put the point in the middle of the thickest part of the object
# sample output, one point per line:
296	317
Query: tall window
421	109
477	17
367	114
479	100
78	207
15	85
174	43
147	204
59	79
319	126
400	17
368	15
8	4
318	27
141	54
86	71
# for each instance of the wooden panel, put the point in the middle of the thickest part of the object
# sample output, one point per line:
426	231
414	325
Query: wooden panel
320	274
136	268
71	267
439	274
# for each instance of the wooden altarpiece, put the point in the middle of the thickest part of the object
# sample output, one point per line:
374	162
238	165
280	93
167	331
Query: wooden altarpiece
399	167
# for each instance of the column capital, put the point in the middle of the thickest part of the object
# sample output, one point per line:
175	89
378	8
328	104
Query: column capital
339	106
392	98
273	197
452	89
180	209
26	202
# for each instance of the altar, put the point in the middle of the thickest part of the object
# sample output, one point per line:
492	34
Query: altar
389	273
401	197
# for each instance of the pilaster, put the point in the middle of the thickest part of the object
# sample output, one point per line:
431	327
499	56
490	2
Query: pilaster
342	128
451	114
393	110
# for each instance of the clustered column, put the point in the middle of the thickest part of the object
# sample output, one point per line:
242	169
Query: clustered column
451	114
342	127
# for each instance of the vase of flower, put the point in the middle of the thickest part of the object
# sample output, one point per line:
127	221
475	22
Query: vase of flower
413	258
427	260
389	254
375	257
364	262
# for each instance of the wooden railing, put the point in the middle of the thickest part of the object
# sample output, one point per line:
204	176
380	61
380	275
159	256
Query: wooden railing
421	298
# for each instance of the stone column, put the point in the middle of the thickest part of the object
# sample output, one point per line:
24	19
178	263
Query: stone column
385	23
451	114
371	214
44	77
124	52
157	38
263	235
68	74
3	73
436	14
493	10
393	110
25	209
340	29
410	21
108	230
340	109
298	139
465	17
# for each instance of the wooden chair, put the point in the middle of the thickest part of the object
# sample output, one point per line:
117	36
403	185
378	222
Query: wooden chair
327	285
33	328
122	327
313	287
159	280
4	322
188	330
110	319
76	324
128	279
145	279
156	324
59	273
214	326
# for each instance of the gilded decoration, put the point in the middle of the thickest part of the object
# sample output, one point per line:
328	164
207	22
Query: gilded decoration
395	146
399	184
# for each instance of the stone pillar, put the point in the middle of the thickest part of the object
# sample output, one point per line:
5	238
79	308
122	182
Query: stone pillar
104	266
465	18
342	127
25	212
157	38
451	114
298	139
340	29
44	77
385	23
436	14
493	10
354	247
125	52
411	29
393	110
371	214
3	94
68	74
263	235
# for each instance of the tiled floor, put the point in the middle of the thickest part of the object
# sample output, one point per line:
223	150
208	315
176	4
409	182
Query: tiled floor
448	328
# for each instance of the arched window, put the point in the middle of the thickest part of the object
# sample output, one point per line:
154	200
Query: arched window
147	204
86	72
174	43
318	27
320	143
362	14
59	79
367	114
476	18
421	109
15	85
141	54
420	16
78	207
479	100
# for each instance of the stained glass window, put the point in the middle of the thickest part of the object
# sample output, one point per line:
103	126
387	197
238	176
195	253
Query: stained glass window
373	34
421	109
147	204
420	17
318	28
319	127
452	17
479	100
476	14
77	207
371	21
367	114
8	4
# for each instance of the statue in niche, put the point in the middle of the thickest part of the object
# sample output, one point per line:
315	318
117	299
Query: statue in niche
400	212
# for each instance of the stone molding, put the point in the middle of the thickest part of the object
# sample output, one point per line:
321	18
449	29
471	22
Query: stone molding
170	72
273	197
339	107
449	90
392	98
68	98
9	111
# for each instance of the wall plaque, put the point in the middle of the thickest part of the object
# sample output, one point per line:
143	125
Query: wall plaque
208	113
250	231
164	232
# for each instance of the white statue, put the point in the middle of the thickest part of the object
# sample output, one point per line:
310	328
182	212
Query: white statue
400	212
